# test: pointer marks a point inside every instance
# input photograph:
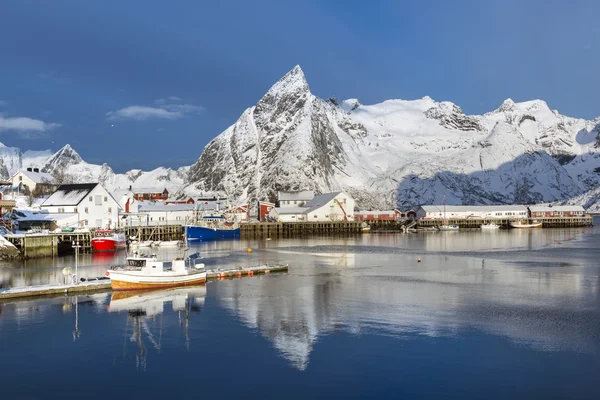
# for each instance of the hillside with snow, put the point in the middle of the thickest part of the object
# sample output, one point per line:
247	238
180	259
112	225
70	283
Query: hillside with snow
399	153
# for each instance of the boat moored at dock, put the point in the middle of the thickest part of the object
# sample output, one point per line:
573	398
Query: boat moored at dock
211	227
107	240
490	226
525	224
145	272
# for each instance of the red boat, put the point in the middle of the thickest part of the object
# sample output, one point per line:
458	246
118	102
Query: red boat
107	240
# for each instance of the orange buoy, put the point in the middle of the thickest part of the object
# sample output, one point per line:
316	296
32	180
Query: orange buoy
249	250
107	273
240	274
267	271
250	273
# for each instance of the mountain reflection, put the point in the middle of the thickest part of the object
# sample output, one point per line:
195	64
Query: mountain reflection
145	309
543	305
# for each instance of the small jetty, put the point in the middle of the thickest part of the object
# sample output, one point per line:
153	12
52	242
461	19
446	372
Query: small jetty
90	285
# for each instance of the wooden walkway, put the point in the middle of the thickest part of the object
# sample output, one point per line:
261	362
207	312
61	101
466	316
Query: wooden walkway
292	229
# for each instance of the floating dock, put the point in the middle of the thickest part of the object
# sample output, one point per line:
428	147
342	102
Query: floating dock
97	285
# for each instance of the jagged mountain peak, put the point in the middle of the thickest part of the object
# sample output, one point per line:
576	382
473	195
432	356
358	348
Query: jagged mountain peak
62	159
292	83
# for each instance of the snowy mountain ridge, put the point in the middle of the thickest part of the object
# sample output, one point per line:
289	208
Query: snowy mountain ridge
400	152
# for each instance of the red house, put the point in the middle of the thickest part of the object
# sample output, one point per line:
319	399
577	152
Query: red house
188	201
264	208
151	194
238	213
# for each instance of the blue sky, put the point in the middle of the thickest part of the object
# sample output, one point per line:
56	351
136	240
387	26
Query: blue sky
142	83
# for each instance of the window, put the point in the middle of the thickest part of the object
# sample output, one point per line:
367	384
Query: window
293	216
85	222
21	178
375	216
98	200
109	210
86	210
75	209
105	198
61	210
90	198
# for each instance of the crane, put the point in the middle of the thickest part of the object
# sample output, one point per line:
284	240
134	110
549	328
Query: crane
344	211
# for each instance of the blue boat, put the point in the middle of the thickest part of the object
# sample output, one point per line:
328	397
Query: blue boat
211	228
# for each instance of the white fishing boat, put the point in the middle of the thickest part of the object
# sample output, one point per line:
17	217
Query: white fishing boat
146	272
448	227
168	243
365	228
445	226
525	224
489	226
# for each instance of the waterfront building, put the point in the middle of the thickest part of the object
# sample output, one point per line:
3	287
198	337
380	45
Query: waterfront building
550	211
294	198
93	206
467	212
336	206
33	181
392	215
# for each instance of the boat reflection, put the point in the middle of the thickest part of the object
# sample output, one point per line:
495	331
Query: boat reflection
145	310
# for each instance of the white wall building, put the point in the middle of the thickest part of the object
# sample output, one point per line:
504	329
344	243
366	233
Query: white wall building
30	179
476	212
335	206
294	199
93	205
126	199
152	214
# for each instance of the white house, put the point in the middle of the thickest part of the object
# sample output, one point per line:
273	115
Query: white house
465	212
32	178
152	214
294	199
337	206
93	205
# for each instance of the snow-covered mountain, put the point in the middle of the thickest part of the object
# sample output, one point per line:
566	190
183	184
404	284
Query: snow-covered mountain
68	165
396	153
400	152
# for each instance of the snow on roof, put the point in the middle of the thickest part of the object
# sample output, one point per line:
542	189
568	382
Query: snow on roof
38	177
375	212
119	193
550	208
320	200
303	195
291	210
69	195
145	207
147	190
26	215
492	208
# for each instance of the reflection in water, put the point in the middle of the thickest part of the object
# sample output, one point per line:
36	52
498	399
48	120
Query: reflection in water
145	310
546	307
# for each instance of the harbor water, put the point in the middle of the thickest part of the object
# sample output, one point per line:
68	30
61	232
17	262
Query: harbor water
471	314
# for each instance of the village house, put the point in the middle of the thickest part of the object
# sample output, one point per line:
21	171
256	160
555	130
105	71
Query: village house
264	208
90	202
337	206
237	213
153	214
392	215
150	194
294	198
126	199
32	181
550	211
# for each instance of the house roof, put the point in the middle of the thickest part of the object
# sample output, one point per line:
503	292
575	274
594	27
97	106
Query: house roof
69	195
320	200
303	195
492	208
550	208
146	207
38	177
290	210
148	190
392	212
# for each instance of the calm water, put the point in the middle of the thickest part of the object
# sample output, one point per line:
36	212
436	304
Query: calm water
510	314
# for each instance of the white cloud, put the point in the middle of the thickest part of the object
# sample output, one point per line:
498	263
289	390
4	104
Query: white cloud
174	98
24	124
164	110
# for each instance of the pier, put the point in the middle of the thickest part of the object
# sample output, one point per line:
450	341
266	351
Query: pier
95	285
566	222
296	229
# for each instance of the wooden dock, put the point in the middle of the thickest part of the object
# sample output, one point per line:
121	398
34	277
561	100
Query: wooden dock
298	229
567	222
104	284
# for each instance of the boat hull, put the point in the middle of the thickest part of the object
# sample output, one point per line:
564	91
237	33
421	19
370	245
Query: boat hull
125	281
107	244
449	228
490	227
200	233
525	226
